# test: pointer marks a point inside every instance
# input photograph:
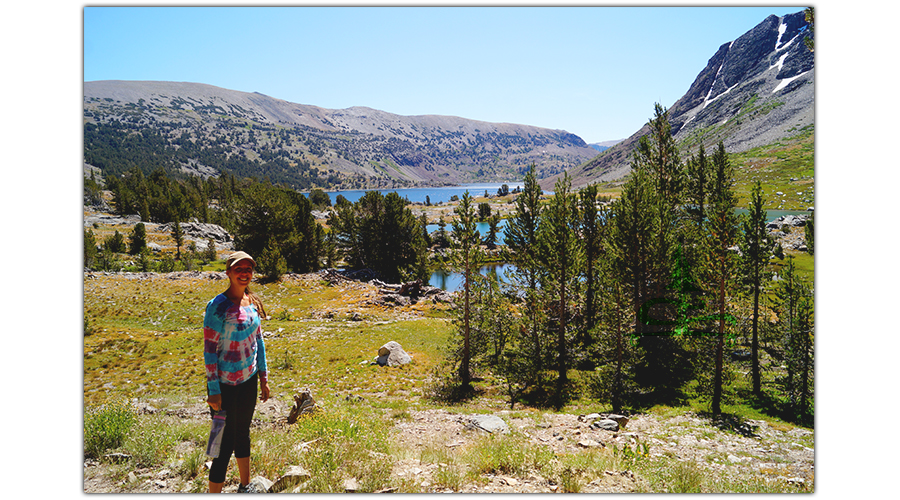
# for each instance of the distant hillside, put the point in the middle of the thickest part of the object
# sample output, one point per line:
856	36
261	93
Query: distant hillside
202	129
603	146
753	92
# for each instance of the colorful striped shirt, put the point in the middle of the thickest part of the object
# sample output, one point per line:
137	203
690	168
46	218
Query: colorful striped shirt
233	348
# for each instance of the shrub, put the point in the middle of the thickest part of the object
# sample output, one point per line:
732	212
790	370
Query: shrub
508	454
90	248
138	239
150	443
89	329
166	264
271	263
115	243
145	263
193	463
106	427
341	443
209	254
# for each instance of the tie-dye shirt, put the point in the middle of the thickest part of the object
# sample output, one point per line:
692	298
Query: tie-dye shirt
233	348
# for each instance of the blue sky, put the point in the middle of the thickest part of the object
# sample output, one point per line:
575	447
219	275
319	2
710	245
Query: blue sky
593	71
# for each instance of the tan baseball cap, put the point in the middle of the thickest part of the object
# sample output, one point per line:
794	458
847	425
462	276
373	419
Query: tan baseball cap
237	257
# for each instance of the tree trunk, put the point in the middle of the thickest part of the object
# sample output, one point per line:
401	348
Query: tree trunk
464	365
617	385
754	343
561	337
720	341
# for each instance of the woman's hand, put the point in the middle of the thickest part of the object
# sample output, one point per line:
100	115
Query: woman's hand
264	390
215	402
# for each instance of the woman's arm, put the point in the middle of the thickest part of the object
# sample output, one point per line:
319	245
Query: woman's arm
211	335
261	365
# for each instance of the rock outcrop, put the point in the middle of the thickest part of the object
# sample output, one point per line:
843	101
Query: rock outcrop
753	91
392	354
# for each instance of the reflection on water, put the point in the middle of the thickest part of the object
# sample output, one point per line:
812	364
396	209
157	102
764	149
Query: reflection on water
429	194
453	282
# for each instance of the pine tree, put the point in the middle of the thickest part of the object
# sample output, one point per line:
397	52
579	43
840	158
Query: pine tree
467	259
521	238
696	183
561	255
721	232
810	17
492	320
592	228
756	247
630	238
794	305
657	154
178	236
809	232
114	243
138	239
90	248
272	265
805	349
209	254
490	240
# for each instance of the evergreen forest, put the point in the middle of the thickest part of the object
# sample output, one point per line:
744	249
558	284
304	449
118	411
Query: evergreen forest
648	298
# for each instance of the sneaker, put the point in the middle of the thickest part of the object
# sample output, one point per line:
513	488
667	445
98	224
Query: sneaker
244	488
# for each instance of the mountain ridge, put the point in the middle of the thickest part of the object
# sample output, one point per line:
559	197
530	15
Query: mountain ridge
357	146
754	90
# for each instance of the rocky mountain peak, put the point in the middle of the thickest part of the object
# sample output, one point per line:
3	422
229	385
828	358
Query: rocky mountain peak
753	91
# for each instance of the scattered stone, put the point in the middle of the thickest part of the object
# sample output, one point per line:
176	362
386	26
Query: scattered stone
350	485
259	484
788	220
294	476
392	354
590	443
117	457
606	425
491	424
589	418
622	420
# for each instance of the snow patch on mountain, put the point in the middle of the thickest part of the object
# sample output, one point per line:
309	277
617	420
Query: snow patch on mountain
784	83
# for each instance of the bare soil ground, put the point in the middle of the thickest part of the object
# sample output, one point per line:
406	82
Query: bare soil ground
779	455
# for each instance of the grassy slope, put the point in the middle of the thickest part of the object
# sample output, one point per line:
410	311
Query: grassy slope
148	338
774	165
147	344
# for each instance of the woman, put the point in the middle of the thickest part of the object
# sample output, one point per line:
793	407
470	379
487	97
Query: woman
235	356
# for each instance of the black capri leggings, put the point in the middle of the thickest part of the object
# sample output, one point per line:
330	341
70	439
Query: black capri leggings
239	403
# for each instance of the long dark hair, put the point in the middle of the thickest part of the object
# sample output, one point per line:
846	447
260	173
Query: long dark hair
255	300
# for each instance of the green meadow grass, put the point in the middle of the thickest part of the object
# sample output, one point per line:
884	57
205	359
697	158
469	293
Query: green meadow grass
146	342
148	338
774	166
